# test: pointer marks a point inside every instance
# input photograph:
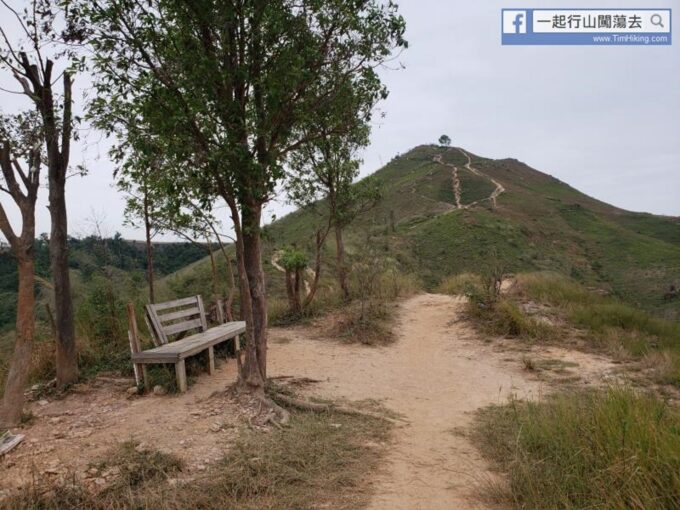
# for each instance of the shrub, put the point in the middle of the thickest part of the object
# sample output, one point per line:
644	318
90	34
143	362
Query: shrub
461	284
505	318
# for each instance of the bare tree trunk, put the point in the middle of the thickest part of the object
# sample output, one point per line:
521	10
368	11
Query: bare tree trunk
340	258
67	362
230	272
250	374
149	249
252	262
57	165
290	291
320	241
22	247
213	269
19	369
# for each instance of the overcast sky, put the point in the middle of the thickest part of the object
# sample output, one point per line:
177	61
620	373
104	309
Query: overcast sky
606	120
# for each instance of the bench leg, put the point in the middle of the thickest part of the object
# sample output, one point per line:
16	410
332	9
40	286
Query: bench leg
237	343
181	372
145	377
211	360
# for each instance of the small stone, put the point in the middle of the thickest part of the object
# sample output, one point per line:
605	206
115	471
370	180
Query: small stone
100	481
336	425
83	433
159	390
111	472
43	402
55	420
200	467
215	427
132	391
142	447
54	469
92	472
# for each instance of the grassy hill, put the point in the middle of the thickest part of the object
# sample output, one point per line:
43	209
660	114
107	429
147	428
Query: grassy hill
539	223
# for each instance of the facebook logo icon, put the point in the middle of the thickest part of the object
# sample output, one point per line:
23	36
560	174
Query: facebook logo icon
514	22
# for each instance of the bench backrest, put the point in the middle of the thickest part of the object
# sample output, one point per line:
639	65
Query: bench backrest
176	317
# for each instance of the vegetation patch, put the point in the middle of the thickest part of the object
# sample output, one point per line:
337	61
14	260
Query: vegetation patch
505	318
608	324
321	460
372	327
136	465
607	449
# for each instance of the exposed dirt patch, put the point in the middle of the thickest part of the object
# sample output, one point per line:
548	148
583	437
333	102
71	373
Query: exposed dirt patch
436	374
66	435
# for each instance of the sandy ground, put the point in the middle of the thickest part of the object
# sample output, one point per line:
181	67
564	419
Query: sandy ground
437	373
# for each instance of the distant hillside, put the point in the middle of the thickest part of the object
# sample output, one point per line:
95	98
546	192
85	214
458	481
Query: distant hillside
538	223
87	256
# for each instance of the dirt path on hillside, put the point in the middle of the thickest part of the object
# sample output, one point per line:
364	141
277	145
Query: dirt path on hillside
437	373
457	188
455	181
496	192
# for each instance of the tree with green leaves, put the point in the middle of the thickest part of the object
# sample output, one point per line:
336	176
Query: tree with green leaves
21	158
31	62
322	177
444	141
140	175
229	87
294	262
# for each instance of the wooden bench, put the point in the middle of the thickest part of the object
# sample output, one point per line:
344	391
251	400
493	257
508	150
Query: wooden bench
179	317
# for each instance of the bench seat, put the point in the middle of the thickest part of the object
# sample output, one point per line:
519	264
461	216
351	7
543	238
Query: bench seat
175	351
176	318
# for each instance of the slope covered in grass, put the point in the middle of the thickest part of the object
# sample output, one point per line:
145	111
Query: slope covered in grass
540	223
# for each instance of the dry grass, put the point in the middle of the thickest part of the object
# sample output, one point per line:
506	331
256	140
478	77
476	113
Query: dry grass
505	318
461	284
369	318
321	460
611	449
609	325
372	328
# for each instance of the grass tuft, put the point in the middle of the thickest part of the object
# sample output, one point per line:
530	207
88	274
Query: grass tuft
607	449
137	465
616	327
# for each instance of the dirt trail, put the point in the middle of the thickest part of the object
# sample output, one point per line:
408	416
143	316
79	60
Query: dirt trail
499	189
454	178
437	373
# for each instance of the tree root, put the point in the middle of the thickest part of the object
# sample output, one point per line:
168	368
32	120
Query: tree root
278	416
317	407
266	411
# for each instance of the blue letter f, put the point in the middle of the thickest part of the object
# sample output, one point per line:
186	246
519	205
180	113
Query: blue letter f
518	22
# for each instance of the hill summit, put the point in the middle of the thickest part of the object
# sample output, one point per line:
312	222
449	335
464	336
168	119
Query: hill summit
446	211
